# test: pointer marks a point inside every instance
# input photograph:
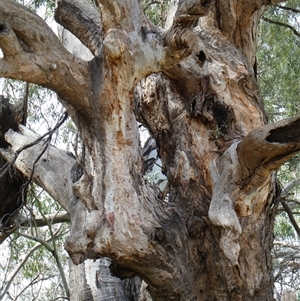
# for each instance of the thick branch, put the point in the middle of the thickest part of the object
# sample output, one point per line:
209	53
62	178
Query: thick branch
190	10
83	20
119	13
238	22
52	172
33	53
265	149
243	185
180	35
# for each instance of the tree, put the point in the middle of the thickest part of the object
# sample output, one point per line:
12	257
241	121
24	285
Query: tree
194	88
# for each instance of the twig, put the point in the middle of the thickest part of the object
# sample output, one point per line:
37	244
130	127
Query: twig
291	217
17	269
294	10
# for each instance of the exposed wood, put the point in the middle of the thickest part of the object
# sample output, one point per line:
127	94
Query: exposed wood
97	283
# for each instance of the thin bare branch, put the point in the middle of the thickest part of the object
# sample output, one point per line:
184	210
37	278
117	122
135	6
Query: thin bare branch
293	29
53	251
39	221
294	10
291	217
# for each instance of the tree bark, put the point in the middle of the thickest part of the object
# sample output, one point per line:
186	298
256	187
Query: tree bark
196	92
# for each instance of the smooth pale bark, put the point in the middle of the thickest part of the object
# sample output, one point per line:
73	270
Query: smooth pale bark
198	96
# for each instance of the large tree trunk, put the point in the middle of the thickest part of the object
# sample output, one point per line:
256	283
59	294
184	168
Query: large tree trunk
196	92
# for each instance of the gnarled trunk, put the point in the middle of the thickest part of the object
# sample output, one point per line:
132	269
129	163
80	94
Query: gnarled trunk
194	88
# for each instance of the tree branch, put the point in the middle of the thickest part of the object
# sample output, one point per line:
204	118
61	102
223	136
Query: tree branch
293	29
266	148
52	171
53	251
294	10
190	10
291	185
38	221
180	35
83	20
291	216
33	53
249	165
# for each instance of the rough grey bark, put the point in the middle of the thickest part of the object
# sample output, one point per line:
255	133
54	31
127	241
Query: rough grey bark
194	88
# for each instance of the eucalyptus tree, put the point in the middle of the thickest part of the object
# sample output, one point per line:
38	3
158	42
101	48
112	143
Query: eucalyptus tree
194	88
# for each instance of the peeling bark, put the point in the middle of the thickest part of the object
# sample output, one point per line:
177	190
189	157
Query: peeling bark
196	92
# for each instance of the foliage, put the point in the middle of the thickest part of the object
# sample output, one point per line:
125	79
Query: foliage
156	10
278	62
